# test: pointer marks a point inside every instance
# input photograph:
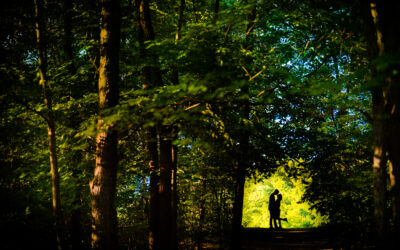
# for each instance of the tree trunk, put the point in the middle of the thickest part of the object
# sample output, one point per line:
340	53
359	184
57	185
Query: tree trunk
390	28
75	225
394	157
93	36
68	54
382	38
150	78
174	194
243	161
162	216
174	148
166	165
57	212
238	207
182	7
202	212
379	127
51	128
154	219
216	11
241	168
103	185
379	170
394	184
240	178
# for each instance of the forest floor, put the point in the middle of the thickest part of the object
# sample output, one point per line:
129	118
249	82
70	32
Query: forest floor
299	239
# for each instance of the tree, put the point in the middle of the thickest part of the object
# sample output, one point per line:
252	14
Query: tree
103	184
243	161
151	77
383	44
51	127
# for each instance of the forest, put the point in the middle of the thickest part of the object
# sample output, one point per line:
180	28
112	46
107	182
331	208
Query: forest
149	124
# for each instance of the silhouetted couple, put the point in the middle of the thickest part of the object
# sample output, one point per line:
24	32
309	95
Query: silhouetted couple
274	208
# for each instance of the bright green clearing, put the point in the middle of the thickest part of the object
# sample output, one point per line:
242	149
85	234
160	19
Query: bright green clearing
256	195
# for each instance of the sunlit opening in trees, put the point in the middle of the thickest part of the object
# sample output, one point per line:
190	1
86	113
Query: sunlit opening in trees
298	213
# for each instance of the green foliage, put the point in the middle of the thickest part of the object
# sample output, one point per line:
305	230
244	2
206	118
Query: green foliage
302	71
298	213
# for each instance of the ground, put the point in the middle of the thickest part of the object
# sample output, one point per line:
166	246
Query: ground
261	238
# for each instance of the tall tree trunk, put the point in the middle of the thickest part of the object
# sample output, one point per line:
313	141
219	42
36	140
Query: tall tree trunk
174	148
67	22
390	28
379	169
236	240
394	157
216	11
150	78
382	38
93	35
51	127
374	36
154	221
174	197
241	168
75	227
103	185
180	23
202	212
165	194
76	218
243	161
394	184
162	223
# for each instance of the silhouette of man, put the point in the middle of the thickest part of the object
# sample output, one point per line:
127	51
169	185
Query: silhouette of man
272	209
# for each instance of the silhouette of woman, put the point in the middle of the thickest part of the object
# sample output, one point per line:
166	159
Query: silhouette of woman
277	211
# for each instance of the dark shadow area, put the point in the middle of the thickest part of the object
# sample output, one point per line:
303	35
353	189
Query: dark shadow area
312	238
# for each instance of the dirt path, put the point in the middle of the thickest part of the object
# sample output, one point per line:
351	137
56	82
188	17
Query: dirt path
261	238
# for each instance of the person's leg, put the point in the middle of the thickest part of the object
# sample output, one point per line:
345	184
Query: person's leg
275	224
279	218
270	220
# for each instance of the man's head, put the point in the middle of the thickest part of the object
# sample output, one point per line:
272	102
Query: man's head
276	191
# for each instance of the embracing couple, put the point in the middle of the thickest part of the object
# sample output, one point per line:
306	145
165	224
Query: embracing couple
274	208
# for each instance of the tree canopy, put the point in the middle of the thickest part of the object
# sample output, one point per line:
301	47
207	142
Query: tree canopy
167	107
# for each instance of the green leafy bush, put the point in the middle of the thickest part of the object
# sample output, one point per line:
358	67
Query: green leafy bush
299	214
